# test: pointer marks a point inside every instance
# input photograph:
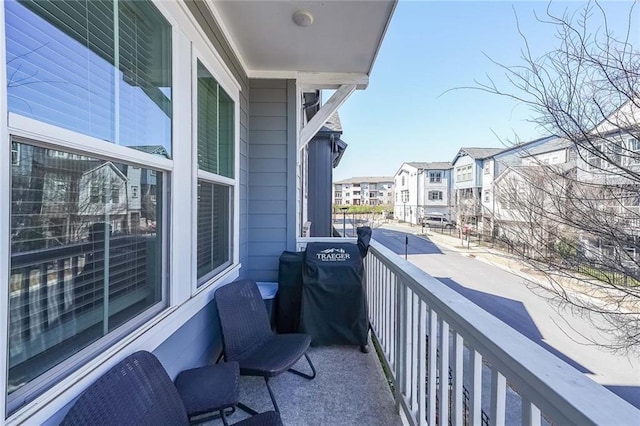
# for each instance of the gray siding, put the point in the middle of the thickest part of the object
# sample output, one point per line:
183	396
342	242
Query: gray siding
269	174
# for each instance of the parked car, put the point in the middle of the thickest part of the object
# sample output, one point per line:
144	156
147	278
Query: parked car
436	222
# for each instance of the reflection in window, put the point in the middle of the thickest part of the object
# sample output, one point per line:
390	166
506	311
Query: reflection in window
63	69
83	260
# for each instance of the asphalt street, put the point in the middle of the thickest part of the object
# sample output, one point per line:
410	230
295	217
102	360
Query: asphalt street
523	306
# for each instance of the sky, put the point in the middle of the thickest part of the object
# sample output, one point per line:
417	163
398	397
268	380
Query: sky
414	108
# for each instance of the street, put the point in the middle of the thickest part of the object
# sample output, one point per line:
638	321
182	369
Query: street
523	306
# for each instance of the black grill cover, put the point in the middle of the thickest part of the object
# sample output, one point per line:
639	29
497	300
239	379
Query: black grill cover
334	307
289	296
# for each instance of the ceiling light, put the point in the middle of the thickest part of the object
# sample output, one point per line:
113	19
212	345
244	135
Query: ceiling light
302	18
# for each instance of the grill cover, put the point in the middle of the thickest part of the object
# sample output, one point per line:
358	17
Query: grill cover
334	306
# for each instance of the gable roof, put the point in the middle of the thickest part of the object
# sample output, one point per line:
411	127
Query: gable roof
476	153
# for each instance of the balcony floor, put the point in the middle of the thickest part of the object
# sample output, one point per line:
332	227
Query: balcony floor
350	389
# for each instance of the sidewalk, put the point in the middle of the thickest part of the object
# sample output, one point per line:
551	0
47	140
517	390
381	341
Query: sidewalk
580	289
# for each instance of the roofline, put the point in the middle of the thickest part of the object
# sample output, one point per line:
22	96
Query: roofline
382	36
523	144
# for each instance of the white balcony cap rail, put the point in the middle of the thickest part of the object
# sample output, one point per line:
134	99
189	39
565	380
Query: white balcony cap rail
461	339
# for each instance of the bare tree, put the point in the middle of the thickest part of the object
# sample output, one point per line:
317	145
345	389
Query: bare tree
579	223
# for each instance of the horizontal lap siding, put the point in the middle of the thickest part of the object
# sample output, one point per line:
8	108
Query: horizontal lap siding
268	218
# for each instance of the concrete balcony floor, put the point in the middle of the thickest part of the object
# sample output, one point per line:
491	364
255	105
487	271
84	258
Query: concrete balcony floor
350	389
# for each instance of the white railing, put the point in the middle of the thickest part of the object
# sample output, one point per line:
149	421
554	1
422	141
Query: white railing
494	375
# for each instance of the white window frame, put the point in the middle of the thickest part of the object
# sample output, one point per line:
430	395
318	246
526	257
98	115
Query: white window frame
218	71
53	137
435	196
435	177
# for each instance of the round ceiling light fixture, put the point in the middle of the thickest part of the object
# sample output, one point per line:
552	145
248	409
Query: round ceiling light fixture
302	18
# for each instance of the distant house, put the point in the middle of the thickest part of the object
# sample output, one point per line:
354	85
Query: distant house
543	151
468	170
422	188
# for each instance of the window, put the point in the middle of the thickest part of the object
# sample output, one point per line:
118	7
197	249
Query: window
464	173
115	194
85	264
402	184
134	192
73	65
405	196
487	167
486	196
94	192
215	150
338	194
435	195
100	268
435	177
593	157
633	146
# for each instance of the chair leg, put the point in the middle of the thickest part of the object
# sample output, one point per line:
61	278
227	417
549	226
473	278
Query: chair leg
273	398
246	409
305	375
223	416
271	395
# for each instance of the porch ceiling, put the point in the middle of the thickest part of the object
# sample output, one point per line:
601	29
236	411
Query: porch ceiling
344	37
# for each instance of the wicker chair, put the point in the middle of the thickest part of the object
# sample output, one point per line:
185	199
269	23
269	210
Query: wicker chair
248	339
138	391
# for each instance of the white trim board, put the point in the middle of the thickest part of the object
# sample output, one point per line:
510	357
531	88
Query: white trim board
327	110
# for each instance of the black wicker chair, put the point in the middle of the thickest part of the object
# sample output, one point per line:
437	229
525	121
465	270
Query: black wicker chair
248	339
138	391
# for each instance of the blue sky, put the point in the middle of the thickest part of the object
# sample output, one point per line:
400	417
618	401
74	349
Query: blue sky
410	113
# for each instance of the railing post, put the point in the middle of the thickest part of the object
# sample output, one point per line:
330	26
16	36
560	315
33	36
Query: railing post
443	414
401	341
457	382
498	395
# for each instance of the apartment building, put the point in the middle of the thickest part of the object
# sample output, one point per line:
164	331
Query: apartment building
468	171
367	191
422	188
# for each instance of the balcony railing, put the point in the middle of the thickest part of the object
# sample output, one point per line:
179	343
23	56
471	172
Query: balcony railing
495	375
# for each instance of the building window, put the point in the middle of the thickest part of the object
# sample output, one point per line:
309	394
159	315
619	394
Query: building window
100	68
487	167
80	269
405	196
338	194
215	142
486	195
633	147
94	192
435	177
134	192
435	195
402	184
115	194
594	159
464	173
